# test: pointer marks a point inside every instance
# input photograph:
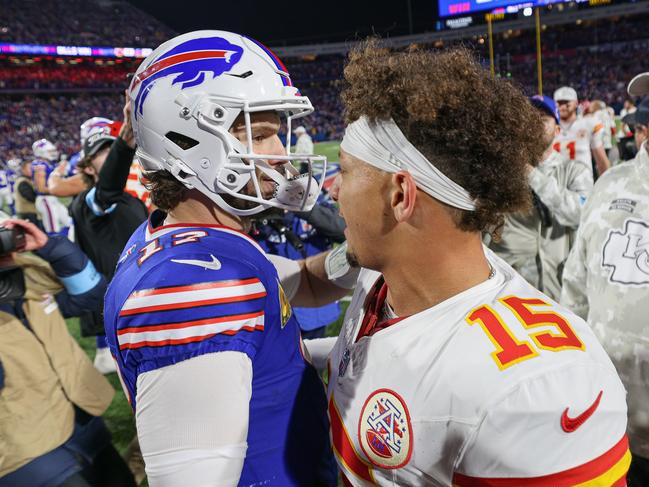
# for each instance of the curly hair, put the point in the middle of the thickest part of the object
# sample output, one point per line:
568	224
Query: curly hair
166	191
478	130
83	163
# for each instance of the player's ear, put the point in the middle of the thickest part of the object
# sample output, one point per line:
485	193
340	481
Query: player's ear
404	194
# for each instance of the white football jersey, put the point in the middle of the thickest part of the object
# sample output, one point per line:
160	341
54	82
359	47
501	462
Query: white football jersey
576	139
497	385
135	187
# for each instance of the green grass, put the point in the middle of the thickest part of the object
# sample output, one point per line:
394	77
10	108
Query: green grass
329	149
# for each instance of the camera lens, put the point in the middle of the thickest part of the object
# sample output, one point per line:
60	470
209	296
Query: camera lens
11	240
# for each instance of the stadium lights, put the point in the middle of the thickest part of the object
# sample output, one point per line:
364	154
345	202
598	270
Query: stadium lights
86	51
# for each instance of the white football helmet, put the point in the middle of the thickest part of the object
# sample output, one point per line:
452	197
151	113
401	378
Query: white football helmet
14	164
44	149
90	125
187	94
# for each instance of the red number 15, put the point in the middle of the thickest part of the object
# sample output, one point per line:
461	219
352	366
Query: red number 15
510	350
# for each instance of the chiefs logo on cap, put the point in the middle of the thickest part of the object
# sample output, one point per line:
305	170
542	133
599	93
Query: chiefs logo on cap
384	430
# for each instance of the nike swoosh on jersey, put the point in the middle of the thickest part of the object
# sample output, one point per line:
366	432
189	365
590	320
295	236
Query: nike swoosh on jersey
569	424
214	264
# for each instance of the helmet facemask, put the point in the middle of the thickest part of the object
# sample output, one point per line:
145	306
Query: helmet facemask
237	168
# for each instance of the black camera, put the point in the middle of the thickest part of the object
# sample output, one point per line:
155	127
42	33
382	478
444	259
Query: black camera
11	240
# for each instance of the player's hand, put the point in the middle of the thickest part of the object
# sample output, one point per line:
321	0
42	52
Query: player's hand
126	133
35	238
61	170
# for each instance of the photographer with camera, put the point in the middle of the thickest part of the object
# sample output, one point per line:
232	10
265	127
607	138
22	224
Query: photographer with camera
51	397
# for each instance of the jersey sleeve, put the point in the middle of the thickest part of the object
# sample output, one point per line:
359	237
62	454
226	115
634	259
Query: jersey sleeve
566	427
565	203
597	134
575	272
189	305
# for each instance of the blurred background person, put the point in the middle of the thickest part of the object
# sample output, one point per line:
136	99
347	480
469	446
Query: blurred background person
104	214
606	278
51	397
297	235
52	213
303	144
25	195
536	243
581	137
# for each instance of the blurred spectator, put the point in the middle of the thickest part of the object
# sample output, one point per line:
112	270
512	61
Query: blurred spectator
304	144
80	22
606	281
287	235
56	118
51	432
25	195
596	57
536	243
105	215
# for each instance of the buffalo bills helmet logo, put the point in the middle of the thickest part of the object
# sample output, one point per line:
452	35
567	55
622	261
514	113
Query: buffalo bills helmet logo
189	61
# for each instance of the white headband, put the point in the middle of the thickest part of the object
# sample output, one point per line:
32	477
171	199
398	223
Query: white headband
383	145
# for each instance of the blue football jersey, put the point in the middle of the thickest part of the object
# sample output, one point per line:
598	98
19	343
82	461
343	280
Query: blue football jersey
72	164
49	167
183	291
4	179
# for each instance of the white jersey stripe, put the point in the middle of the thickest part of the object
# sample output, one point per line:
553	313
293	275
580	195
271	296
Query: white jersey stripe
134	303
132	340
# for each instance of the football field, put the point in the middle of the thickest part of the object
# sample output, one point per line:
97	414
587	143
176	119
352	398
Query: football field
329	149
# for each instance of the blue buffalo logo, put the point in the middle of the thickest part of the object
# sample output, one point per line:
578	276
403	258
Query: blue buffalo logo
189	62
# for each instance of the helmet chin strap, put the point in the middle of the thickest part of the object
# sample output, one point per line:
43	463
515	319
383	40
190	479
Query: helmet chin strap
294	189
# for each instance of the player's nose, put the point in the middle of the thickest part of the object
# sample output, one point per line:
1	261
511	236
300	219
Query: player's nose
335	188
276	149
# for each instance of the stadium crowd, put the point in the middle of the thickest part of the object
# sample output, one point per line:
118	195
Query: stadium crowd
554	186
79	23
24	119
572	56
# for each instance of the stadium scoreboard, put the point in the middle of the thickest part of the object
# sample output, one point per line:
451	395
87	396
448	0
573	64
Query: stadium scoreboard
457	14
449	8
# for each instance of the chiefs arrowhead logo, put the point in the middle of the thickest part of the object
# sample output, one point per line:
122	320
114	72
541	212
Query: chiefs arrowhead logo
384	430
626	253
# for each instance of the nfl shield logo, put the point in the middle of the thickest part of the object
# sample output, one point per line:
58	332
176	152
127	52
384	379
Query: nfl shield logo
344	362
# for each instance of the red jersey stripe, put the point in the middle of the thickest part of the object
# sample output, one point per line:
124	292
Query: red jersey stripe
189	324
191	304
574	476
343	446
193	287
182	341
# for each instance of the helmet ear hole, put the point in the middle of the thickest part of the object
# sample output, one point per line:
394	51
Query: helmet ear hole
181	140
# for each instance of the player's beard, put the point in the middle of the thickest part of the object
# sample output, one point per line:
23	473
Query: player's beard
352	258
243	204
248	190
